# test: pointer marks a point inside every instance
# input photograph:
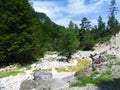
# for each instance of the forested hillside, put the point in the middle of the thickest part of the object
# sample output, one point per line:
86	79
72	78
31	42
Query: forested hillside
18	29
26	35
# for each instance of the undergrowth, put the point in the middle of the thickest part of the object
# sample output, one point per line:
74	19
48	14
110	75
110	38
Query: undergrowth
93	79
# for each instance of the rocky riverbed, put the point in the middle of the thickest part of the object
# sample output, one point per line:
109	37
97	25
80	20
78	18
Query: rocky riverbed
14	82
58	78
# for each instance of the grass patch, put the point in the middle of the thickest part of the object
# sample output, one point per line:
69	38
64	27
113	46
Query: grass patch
84	80
21	69
9	73
112	60
117	63
48	70
18	70
81	64
110	56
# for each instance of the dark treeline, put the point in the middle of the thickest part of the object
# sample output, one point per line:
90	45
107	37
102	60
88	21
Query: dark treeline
26	35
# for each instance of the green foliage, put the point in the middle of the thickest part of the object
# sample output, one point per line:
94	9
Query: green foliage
25	34
86	37
58	38
9	73
17	29
117	63
50	32
68	41
14	72
112	22
85	24
110	56
84	80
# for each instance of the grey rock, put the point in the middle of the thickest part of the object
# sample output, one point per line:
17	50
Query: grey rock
70	79
39	74
32	84
87	87
102	68
42	84
28	84
59	84
116	71
43	80
54	84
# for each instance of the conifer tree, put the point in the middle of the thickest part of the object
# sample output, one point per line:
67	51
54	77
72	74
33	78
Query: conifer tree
112	22
18	25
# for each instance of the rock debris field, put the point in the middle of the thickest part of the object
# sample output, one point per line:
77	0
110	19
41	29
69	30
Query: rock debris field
56	80
14	82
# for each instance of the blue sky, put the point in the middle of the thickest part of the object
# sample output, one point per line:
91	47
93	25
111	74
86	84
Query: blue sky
63	11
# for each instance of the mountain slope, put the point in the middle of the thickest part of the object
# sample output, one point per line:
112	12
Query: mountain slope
43	17
111	46
50	33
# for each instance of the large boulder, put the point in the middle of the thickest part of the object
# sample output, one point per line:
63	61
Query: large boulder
39	74
28	84
35	84
43	80
55	84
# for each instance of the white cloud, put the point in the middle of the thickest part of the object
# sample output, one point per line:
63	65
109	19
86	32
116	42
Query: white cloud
62	14
63	21
49	8
79	7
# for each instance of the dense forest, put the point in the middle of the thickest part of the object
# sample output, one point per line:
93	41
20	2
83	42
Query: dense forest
26	35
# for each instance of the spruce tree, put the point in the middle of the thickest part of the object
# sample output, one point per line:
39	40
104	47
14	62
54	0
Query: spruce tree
17	30
112	21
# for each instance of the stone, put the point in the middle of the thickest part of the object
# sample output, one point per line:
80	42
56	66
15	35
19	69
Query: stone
70	78
55	84
35	84
62	59
39	74
115	71
102	68
43	80
33	65
28	84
